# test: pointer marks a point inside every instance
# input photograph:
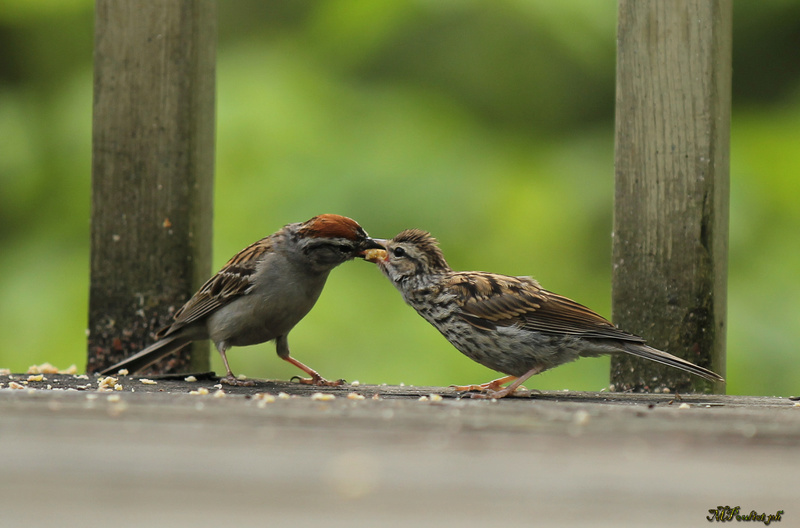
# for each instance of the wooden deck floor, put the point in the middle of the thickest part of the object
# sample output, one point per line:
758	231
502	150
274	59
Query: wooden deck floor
162	457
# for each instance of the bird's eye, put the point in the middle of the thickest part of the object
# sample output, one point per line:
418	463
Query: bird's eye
399	252
344	249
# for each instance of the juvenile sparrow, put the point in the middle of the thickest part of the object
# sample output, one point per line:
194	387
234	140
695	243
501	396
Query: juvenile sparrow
509	324
261	293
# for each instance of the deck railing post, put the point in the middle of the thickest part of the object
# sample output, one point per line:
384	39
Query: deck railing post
670	244
152	171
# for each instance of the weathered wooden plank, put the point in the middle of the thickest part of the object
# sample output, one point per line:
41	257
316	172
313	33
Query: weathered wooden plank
152	170
177	386
671	205
572	459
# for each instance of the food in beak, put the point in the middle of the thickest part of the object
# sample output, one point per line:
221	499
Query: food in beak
374	255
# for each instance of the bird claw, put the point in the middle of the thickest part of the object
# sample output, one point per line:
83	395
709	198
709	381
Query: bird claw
465	388
318	381
236	382
494	385
491	394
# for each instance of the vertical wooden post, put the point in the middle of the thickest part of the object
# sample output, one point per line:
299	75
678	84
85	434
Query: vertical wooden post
152	171
671	205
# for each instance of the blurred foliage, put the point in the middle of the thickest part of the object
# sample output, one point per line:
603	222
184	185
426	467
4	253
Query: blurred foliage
489	124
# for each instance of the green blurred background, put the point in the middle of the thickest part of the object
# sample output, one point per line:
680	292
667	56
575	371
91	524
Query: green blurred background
489	124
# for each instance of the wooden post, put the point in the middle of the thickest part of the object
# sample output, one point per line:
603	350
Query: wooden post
671	205
152	171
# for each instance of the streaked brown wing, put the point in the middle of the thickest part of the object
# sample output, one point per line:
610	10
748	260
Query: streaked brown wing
233	280
489	300
497	299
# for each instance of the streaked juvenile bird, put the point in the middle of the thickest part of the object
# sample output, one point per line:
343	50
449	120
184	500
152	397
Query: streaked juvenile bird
261	293
509	324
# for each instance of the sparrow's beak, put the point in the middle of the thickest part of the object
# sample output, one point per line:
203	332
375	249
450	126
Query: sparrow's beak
372	245
375	243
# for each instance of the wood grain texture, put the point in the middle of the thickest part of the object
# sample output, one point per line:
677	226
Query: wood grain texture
152	170
555	459
671	203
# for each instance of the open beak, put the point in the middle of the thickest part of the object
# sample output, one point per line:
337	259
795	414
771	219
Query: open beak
374	250
375	243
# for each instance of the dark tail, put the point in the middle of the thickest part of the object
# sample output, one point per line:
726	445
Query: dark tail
658	356
149	355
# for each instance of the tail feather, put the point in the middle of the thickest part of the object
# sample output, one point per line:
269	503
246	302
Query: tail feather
149	355
653	354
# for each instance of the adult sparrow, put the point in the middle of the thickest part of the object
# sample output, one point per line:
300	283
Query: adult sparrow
261	293
509	324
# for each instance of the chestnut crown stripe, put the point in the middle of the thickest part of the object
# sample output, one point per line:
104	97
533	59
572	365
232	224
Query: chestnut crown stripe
332	226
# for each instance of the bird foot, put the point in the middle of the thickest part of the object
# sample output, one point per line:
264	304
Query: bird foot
505	391
493	385
465	388
319	381
493	394
236	382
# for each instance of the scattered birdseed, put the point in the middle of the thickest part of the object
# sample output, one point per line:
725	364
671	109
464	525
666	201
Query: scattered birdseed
263	397
319	396
117	408
435	398
220	394
190	379
107	383
354	396
355	383
202	391
146	381
37	377
117	387
422	398
581	417
44	367
123	372
283	396
113	397
684	405
47	368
